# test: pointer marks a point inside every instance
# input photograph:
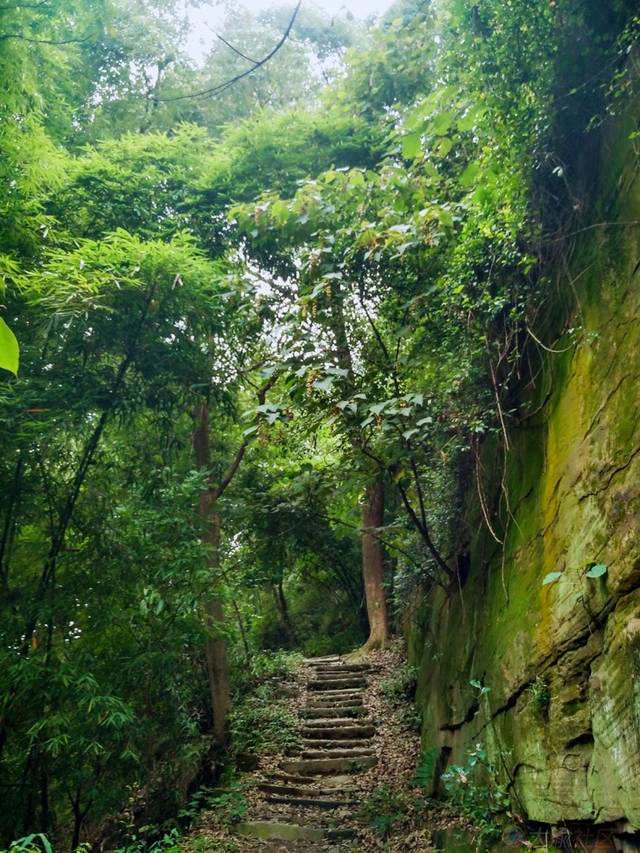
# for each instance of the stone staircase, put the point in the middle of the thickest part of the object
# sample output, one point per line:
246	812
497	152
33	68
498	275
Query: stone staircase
310	799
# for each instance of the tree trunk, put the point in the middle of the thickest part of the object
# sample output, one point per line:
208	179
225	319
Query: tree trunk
373	565
216	650
283	611
372	510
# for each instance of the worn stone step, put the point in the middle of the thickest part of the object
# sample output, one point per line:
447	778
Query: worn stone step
286	778
327	743
337	675
334	701
327	695
356	752
331	713
310	802
341	704
329	765
336	684
336	723
306	790
276	831
319	661
312	731
342	667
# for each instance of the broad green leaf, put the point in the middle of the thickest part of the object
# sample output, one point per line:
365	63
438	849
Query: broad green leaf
444	146
470	174
469	121
9	349
551	578
597	571
411	146
431	170
441	123
325	384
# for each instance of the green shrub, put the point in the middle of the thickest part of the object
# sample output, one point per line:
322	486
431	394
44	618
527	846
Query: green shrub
401	685
477	792
37	842
383	810
260	723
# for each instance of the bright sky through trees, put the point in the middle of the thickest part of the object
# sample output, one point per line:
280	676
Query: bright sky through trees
206	18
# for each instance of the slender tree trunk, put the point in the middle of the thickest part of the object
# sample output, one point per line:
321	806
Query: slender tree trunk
373	565
243	633
216	650
372	510
283	611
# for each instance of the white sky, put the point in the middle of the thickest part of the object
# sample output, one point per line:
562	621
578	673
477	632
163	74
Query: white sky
210	16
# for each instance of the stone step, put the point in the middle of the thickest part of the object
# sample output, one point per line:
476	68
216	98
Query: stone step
274	830
287	778
331	713
336	684
357	752
337	675
342	667
347	731
319	661
309	802
346	743
329	765
306	790
326	695
338	722
349	702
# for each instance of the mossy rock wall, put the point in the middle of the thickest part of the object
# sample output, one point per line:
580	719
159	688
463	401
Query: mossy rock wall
562	660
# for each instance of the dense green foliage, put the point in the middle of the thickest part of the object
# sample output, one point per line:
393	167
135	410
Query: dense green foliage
342	259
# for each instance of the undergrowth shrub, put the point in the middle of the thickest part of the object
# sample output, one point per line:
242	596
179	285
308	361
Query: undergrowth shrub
36	842
262	723
401	685
384	810
224	805
476	791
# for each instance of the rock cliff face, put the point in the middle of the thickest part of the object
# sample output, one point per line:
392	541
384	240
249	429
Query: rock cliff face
561	719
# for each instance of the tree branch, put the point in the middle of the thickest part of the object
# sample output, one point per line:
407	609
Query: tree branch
237	459
220	87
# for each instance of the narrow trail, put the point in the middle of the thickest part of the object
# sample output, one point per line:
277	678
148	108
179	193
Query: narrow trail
309	802
354	761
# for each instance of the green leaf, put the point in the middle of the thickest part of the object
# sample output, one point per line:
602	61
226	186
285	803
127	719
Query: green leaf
468	121
444	146
442	123
411	146
325	384
551	578
470	174
597	571
9	349
431	170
